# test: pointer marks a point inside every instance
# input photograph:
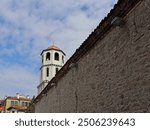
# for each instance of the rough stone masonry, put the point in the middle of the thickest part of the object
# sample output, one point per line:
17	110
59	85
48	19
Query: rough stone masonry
111	71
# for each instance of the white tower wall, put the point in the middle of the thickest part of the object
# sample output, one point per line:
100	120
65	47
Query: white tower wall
52	59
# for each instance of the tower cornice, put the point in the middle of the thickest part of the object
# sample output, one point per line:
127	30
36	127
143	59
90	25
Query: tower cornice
50	65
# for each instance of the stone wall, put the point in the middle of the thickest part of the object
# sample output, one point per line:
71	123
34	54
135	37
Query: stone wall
114	76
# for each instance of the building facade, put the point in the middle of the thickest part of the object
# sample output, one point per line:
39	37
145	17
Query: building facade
110	71
1	106
19	103
52	60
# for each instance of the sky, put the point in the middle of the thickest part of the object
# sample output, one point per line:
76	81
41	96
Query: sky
29	26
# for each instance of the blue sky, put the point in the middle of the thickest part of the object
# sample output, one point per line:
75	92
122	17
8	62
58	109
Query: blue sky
29	26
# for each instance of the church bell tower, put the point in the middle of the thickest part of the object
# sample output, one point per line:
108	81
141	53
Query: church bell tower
52	59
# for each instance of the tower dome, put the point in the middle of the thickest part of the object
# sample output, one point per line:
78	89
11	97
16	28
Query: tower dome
52	60
53	47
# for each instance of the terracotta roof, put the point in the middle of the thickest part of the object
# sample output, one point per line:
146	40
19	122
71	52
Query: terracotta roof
17	108
1	108
53	47
121	9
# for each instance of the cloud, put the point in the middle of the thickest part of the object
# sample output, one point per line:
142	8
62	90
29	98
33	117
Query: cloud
29	26
17	78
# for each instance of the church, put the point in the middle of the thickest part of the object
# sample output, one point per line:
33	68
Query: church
109	72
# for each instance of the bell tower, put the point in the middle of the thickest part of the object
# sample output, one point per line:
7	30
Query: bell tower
52	59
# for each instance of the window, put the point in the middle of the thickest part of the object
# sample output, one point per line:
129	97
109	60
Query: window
16	103
62	59
12	103
57	69
26	104
48	56
23	104
56	56
47	72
